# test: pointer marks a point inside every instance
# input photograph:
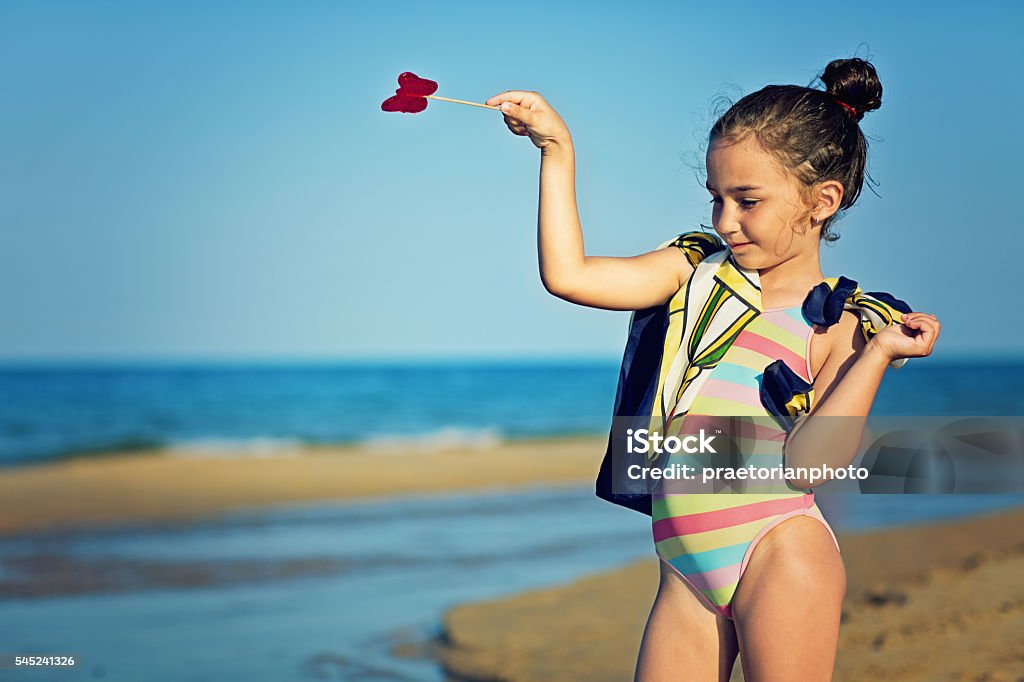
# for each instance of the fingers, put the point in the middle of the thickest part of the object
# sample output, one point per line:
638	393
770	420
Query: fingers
918	314
919	320
516	126
915	320
522	97
927	327
922	323
520	104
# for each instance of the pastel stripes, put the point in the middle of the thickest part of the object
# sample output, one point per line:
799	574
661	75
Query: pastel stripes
707	538
720	519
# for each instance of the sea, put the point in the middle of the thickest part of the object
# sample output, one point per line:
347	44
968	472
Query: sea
50	413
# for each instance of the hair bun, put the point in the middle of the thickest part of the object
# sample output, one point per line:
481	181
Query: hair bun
855	82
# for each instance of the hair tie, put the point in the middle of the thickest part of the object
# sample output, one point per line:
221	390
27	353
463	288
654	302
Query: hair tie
847	106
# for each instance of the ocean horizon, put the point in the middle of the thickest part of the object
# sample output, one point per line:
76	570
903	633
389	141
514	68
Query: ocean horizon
56	410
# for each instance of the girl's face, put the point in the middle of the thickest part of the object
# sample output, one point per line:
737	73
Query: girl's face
757	205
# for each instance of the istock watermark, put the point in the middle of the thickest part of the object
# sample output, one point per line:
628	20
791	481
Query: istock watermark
834	455
642	441
706	474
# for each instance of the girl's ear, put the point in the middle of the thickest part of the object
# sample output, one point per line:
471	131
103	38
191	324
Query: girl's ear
828	197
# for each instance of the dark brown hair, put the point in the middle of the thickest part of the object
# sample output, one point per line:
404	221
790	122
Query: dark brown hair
809	132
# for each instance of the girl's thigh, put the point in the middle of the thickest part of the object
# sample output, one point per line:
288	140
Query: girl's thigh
787	606
684	640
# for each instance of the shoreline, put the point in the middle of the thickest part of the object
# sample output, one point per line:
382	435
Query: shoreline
183	485
937	601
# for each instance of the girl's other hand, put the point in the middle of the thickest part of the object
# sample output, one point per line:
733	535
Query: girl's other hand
915	338
527	113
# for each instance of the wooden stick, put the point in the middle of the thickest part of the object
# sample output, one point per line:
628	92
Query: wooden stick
474	104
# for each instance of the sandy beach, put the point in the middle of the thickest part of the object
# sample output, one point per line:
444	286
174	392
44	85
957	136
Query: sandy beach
929	603
942	601
181	485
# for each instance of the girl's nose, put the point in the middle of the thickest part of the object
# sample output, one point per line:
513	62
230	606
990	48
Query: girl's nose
727	230
727	224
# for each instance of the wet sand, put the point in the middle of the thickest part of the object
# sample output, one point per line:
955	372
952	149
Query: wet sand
929	603
170	486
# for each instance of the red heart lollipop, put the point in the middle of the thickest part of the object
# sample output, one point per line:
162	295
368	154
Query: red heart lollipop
412	93
404	104
411	84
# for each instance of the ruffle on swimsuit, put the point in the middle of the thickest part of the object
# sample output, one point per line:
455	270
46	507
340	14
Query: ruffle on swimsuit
785	394
825	303
672	347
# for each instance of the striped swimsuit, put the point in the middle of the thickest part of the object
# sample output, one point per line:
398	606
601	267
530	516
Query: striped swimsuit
708	538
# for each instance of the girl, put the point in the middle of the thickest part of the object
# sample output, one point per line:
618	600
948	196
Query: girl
763	578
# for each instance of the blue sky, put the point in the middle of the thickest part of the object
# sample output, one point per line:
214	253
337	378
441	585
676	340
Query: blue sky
217	181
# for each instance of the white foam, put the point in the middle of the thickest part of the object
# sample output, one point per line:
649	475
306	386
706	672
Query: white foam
204	448
445	438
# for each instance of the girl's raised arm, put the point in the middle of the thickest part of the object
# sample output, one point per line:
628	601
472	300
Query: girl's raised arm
612	283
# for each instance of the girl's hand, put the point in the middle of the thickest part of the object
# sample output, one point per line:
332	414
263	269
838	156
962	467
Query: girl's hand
915	338
526	113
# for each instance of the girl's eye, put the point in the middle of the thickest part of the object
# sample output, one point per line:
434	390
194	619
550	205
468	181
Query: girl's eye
746	203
